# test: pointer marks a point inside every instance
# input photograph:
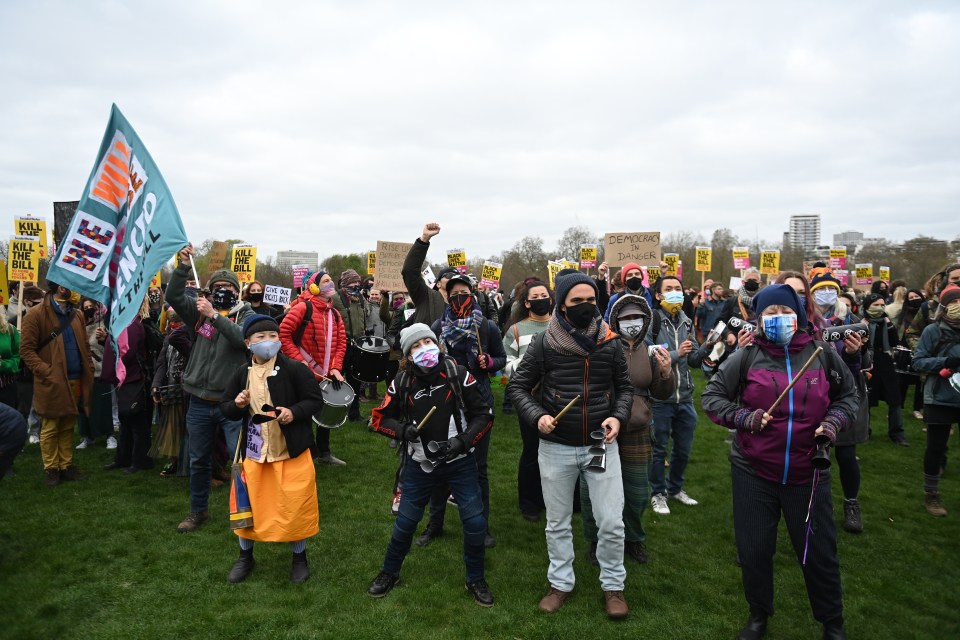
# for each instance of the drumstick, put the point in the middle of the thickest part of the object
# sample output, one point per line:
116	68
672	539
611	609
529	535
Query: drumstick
426	417
805	366
565	409
476	330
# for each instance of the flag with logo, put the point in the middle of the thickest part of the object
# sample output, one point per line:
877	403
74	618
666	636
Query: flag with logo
125	227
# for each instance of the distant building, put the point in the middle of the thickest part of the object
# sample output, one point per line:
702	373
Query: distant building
804	234
848	239
287	259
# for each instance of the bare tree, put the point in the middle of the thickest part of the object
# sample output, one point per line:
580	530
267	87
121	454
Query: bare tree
571	241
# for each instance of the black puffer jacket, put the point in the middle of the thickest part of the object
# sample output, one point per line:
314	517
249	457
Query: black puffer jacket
600	380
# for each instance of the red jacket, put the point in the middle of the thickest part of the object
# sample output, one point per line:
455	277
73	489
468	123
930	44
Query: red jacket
315	334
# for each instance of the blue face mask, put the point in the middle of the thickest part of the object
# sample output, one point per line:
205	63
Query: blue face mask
780	328
674	297
265	349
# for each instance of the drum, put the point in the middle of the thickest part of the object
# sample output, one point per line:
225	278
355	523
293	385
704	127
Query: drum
955	382
336	405
903	361
370	359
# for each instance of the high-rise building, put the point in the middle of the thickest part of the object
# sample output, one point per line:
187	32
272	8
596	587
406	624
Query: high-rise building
804	234
287	259
848	239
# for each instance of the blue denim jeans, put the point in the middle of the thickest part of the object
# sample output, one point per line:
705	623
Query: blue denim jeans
679	422
203	417
461	476
561	467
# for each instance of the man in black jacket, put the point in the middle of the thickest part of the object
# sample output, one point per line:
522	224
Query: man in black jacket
429	302
578	356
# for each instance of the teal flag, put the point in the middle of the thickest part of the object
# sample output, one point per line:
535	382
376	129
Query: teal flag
125	228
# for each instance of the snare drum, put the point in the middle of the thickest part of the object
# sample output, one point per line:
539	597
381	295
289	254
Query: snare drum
336	405
954	381
903	361
370	359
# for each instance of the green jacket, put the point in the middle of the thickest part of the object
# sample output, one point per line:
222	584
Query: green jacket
10	351
215	357
354	320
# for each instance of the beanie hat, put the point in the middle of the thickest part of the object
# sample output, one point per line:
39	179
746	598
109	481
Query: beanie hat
566	272
870	298
223	275
630	266
259	322
569	281
312	278
349	278
415	332
780	294
950	294
821	277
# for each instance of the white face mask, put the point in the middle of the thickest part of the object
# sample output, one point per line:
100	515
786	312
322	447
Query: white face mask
825	297
631	328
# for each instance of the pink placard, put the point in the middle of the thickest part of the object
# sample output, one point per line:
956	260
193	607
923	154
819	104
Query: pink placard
299	271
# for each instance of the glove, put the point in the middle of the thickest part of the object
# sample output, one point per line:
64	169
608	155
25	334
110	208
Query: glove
953	362
410	433
830	431
747	420
456	448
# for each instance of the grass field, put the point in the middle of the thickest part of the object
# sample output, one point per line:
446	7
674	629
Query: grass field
101	559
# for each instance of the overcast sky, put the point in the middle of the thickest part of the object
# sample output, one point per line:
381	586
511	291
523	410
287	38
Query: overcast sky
329	125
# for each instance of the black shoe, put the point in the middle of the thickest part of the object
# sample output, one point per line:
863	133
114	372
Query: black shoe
242	567
489	542
428	535
508	411
756	626
530	516
480	591
834	631
852	521
300	570
110	466
382	584
592	555
900	440
636	550
130	470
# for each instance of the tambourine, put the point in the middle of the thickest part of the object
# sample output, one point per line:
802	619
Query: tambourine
834	334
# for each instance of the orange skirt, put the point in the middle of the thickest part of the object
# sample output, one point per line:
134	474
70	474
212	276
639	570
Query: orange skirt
283	499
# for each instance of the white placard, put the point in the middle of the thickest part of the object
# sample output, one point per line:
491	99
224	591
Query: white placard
276	295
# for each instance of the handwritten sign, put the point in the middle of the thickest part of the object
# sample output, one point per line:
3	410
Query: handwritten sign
390	257
4	287
864	273
34	227
741	258
457	258
371	263
490	276
24	259
838	258
217	256
276	295
553	268
640	247
770	262
588	256
299	272
673	263
244	262
704	258
885	274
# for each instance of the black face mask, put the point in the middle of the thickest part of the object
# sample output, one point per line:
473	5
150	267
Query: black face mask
223	299
154	298
635	283
462	304
580	315
540	307
89	314
255	297
914	304
751	286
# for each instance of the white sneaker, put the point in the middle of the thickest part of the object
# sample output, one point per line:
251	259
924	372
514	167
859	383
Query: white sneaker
918	415
111	443
682	497
34	439
329	458
659	502
86	442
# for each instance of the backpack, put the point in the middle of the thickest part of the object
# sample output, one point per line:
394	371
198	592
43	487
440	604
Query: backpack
403	380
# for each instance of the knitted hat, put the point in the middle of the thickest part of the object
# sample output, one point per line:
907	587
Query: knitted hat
259	322
870	298
349	278
312	277
821	277
780	294
950	294
413	333
630	266
223	275
566	272
569	281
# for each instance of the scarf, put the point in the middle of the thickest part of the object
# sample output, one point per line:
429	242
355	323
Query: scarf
462	334
879	325
745	298
566	340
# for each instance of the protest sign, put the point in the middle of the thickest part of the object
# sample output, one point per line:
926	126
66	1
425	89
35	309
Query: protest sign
641	247
155	281
32	226
864	273
390	257
23	259
457	258
735	283
276	295
490	276
4	287
553	268
588	256
770	262
244	262
673	264
843	276
704	258
838	257
741	258
885	274
299	271
217	257
428	276
653	274
371	263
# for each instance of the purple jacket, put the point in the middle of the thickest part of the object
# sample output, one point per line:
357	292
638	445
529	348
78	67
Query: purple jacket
783	450
137	353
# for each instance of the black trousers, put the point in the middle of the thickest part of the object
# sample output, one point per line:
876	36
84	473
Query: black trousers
134	442
438	500
757	507
13	434
529	490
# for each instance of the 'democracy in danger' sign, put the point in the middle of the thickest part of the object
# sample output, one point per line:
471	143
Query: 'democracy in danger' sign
244	262
390	257
642	247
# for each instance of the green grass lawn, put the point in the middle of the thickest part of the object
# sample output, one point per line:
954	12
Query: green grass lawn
101	558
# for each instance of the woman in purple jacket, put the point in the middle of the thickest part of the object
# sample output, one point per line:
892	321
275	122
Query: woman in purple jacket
771	456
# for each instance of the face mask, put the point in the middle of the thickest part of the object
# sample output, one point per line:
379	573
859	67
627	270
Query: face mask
540	307
581	314
265	349
634	283
914	304
780	328
89	314
672	301
952	312
397	304
751	285
825	297
154	297
223	299
175	325
631	328
462	304
353	292
427	357
876	312
190	292
255	297
73	298
327	290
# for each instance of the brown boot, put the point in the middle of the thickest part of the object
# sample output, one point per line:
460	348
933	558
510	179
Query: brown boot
616	605
193	521
552	602
51	477
934	505
71	473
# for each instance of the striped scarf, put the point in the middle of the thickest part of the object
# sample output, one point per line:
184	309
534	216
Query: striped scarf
563	338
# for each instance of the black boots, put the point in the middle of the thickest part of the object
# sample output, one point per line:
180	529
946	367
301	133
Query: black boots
242	567
756	626
833	630
300	570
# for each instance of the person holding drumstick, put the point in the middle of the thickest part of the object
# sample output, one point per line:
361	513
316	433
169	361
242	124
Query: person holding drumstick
578	355
782	394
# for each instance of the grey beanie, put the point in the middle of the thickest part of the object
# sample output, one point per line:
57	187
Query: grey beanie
413	333
223	275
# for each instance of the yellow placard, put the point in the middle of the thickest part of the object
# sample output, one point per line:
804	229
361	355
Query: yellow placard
570	265
704	258
741	258
553	268
490	275
36	227
24	259
673	262
244	262
4	289
769	262
588	256
371	263
864	273
155	281
653	274
885	274
457	258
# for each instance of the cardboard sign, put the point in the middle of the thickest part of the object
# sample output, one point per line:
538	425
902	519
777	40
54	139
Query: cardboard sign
490	276
838	258
299	273
673	264
428	276
704	258
642	247
35	227
276	295
885	274
553	268
741	258
244	262
457	258
770	262
4	289
588	256
864	273
24	259
371	263
218	256
390	257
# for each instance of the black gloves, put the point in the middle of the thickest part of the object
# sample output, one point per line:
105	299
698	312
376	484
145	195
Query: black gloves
410	433
456	448
953	362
